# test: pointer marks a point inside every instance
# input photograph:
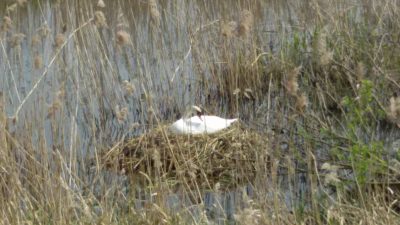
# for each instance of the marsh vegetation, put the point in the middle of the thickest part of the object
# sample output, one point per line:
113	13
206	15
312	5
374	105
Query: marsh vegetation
88	88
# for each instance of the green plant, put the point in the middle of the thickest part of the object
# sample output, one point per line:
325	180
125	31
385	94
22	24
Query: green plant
361	116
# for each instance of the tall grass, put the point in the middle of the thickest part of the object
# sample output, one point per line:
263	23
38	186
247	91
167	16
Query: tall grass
318	80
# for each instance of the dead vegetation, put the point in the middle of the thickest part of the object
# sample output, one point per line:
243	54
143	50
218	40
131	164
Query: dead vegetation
231	157
315	84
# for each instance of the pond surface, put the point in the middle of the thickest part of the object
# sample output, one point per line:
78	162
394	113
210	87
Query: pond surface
74	88
79	88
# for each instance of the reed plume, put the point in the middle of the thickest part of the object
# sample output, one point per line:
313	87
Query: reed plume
101	4
12	8
360	71
35	40
38	61
59	40
322	55
44	31
6	25
152	3
229	29
56	105
16	40
100	19
331	177
292	85
326	58
121	114
22	2
155	15
249	216
246	21
123	38
393	111
238	29
301	102
128	87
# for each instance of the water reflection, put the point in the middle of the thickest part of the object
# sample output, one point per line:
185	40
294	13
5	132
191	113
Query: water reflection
182	61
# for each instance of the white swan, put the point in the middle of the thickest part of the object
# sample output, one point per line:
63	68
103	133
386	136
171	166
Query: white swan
200	124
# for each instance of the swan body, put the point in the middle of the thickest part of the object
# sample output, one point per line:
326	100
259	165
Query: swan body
200	124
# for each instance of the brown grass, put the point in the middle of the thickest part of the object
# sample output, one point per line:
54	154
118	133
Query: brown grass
200	160
314	147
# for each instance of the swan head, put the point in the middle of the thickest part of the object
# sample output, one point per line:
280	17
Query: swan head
198	111
193	110
194	122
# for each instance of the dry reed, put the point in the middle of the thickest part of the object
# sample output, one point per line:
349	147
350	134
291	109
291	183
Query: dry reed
100	19
121	114
128	87
45	178
301	102
394	110
35	40
44	31
38	61
59	40
122	38
155	15
322	54
292	85
101	4
239	29
246	21
229	29
11	8
6	25
202	159
22	2
16	40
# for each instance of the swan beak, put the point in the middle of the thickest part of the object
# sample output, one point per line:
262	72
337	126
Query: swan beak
198	110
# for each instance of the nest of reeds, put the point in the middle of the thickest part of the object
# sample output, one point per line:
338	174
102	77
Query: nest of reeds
229	157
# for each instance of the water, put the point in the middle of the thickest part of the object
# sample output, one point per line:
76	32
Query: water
171	68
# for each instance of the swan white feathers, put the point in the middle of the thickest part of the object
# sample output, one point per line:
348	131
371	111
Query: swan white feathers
200	124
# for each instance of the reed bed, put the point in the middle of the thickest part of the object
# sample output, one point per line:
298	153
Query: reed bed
88	87
203	159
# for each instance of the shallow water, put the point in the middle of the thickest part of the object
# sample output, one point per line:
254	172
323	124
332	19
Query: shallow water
91	67
168	66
